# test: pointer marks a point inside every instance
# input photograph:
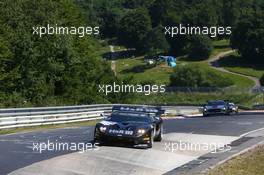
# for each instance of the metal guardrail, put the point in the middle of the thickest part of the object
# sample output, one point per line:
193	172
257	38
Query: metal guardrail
22	117
51	110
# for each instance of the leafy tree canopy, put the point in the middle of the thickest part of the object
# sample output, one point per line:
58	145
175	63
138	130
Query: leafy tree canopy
134	27
53	69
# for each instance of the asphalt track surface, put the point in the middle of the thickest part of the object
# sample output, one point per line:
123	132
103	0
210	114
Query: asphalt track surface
18	157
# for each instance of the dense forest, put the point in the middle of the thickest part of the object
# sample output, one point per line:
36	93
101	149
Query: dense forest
140	23
49	70
66	69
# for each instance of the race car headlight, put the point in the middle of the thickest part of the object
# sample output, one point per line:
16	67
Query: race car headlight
141	131
102	128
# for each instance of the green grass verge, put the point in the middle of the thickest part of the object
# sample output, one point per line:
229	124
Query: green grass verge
104	47
250	163
161	73
136	68
236	63
239	81
45	127
220	46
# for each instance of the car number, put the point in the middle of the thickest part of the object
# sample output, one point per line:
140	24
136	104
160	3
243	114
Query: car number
126	132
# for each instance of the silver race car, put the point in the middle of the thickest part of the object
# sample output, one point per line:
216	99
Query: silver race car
216	107
232	108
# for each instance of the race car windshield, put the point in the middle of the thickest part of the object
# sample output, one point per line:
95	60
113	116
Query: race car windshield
216	103
129	118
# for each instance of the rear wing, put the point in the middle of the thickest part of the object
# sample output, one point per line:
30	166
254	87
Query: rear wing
144	109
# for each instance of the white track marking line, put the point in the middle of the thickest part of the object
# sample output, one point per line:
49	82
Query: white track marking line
250	132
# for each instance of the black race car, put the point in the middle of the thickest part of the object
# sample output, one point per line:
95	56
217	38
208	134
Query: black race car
153	111
126	126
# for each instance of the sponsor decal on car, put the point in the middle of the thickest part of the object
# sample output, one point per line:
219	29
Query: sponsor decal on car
107	123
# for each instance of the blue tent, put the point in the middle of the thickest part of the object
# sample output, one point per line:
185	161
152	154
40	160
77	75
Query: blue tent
171	61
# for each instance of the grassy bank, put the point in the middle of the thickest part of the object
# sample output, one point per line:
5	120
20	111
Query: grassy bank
220	46
160	74
137	68
250	163
235	63
238	81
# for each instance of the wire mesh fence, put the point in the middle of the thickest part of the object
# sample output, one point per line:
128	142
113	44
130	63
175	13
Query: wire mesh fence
245	97
231	89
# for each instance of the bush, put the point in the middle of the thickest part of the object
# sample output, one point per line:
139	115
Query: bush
155	41
195	76
47	70
201	47
262	80
134	27
248	37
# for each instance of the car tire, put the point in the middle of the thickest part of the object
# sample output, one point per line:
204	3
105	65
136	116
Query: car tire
96	140
205	115
151	140
159	137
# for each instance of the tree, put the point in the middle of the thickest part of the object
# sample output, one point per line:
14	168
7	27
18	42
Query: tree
134	27
195	76
201	47
201	13
156	42
262	80
230	12
136	3
111	19
159	11
187	76
248	37
53	69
